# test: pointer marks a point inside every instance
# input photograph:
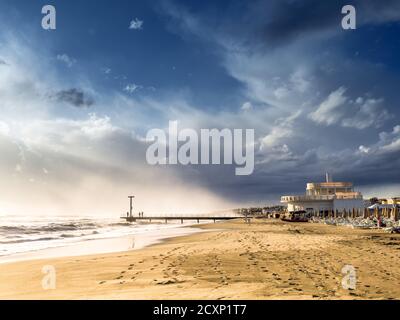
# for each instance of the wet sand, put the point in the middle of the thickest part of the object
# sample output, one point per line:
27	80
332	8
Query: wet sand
264	260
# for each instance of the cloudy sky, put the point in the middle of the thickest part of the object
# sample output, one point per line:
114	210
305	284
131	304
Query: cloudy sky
76	102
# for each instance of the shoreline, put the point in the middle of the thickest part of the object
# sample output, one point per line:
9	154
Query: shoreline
267	259
109	245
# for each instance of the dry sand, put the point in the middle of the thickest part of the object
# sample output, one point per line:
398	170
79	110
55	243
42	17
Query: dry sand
264	260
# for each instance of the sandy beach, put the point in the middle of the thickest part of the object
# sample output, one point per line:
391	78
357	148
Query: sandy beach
267	259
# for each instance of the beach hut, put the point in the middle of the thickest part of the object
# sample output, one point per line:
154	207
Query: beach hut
395	213
366	213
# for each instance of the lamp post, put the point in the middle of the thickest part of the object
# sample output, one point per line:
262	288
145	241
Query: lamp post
130	205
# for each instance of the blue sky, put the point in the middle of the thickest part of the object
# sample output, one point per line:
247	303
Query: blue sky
96	34
76	102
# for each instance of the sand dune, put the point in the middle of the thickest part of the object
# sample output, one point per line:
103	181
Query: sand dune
264	260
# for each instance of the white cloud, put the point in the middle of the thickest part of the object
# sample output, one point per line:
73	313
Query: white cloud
136	24
389	142
247	106
66	59
364	149
132	87
4	128
281	93
361	114
106	70
282	130
367	113
329	112
299	81
81	151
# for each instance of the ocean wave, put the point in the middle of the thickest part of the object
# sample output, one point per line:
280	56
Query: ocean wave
67	236
52	227
120	224
28	240
18	235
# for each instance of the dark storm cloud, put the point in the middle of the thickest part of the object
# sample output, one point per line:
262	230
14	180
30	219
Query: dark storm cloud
276	23
75	97
268	42
292	19
378	170
270	181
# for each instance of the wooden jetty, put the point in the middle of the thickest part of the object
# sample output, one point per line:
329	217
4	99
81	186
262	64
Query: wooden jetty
181	218
130	217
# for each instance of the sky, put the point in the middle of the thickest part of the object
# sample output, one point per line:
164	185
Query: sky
76	102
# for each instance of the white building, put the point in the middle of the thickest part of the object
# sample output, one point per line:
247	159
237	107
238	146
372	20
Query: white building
326	196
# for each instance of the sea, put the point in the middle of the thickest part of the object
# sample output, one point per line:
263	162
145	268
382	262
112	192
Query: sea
29	237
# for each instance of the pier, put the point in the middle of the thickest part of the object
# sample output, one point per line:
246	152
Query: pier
181	218
220	215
